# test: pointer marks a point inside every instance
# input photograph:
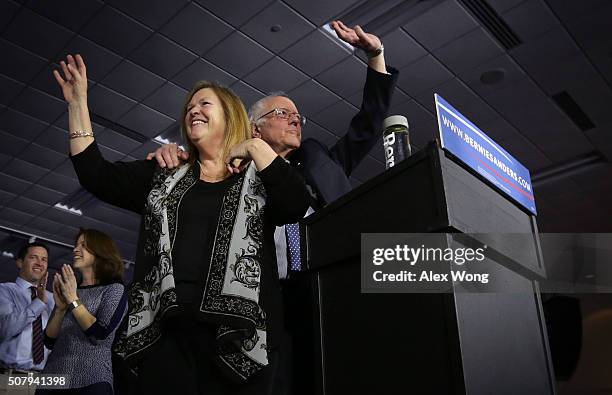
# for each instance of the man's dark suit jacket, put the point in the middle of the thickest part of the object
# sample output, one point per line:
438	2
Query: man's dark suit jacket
327	170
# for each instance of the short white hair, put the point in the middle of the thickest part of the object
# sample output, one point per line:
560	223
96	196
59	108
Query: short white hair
256	109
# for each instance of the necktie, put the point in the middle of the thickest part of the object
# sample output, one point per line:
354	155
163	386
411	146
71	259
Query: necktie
293	245
38	352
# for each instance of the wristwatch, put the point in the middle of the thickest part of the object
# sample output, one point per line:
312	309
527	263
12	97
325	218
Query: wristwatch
74	304
376	52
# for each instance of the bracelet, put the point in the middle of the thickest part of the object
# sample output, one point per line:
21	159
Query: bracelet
80	133
376	52
74	304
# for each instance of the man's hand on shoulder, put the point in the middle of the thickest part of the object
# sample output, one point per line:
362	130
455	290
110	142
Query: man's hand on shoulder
169	155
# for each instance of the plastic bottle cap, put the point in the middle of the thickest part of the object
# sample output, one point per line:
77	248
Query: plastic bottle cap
395	120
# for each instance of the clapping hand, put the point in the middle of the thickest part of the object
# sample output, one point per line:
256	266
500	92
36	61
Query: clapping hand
67	284
60	302
74	82
356	36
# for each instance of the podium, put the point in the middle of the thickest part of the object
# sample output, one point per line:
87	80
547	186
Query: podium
401	343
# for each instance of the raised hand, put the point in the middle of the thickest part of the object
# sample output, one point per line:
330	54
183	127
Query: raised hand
356	36
169	155
68	284
74	82
60	302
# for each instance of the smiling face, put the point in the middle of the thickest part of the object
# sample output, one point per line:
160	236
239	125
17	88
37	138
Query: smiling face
204	119
283	135
82	257
33	266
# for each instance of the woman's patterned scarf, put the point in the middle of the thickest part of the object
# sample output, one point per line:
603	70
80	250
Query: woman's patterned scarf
231	292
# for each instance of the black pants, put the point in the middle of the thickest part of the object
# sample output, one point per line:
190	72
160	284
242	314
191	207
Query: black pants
183	362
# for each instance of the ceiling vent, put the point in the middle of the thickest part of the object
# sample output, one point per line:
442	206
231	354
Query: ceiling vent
568	105
383	16
490	20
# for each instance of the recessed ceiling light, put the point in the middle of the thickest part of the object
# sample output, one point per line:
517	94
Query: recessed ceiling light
71	210
492	77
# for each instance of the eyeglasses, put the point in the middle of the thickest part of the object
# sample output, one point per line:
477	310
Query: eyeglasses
283	113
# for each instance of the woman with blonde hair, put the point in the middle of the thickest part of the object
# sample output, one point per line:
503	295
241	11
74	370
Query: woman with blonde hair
205	304
82	327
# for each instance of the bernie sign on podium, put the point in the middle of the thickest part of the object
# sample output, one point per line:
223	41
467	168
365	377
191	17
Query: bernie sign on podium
473	147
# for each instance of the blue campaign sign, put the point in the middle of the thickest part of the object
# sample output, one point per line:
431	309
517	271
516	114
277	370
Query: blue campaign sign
468	143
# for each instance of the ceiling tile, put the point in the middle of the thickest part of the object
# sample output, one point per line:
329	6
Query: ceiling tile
293	26
69	13
304	94
21	125
9	89
117	141
12	184
114	30
247	93
520	19
162	56
168	99
66	169
314	131
45	40
14	216
4	159
5	198
132	80
319	11
44	195
336	118
401	49
462	98
370	167
511	70
42	156
108	103
327	53
234	12
425	73
545	58
45	82
146	121
23	169
251	53
99	60
39	104
145	149
345	78
59	183
8	9
202	70
28	206
23	65
504	5
11	145
468	51
110	154
440	25
154	14
275	75
183	29
54	138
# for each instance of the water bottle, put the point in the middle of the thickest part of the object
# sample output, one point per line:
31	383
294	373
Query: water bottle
395	140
